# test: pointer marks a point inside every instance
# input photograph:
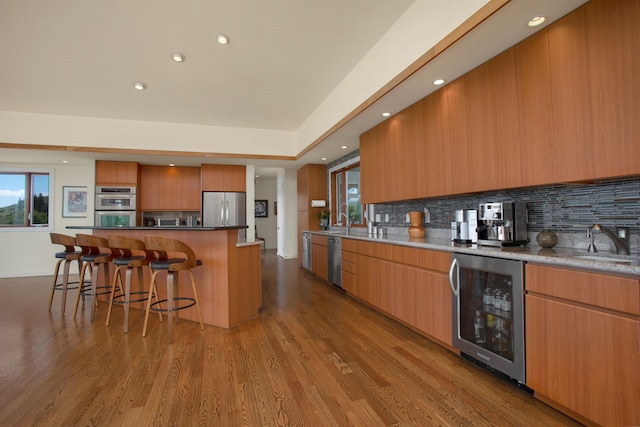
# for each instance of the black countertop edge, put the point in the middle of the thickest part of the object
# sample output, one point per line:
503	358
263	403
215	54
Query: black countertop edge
90	227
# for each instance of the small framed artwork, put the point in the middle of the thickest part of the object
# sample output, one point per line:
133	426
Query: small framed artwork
261	209
74	202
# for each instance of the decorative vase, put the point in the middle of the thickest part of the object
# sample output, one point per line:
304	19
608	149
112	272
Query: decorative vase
547	239
416	229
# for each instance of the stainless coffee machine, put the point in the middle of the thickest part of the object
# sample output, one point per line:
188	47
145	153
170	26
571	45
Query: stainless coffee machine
502	224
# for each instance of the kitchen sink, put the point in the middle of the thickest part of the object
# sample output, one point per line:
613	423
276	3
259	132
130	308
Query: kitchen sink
609	259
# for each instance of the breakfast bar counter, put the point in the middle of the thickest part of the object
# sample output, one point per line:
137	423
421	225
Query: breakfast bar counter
228	282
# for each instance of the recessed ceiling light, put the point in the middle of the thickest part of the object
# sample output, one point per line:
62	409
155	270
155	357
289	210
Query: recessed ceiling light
257	176
536	20
140	85
65	161
343	147
324	158
386	114
171	165
223	39
177	57
438	82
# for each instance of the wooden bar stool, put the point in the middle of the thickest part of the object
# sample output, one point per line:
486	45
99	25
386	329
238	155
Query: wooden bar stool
96	256
67	257
130	255
185	262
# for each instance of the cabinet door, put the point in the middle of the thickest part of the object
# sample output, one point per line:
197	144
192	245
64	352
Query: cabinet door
170	188
224	178
434	305
585	360
116	173
320	261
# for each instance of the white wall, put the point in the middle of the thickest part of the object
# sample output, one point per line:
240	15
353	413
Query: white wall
267	189
30	253
288	220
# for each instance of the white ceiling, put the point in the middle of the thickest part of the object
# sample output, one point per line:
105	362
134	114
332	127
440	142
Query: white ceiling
81	57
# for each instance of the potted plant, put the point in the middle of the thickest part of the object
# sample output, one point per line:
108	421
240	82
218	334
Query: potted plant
324	216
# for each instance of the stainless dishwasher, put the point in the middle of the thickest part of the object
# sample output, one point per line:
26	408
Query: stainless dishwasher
335	260
306	251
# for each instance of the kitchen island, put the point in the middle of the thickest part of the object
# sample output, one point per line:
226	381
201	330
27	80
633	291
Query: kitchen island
228	282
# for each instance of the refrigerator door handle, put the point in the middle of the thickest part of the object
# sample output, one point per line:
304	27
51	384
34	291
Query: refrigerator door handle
226	219
222	212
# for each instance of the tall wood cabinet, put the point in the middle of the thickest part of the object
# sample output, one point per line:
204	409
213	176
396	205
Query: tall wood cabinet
583	342
561	106
312	185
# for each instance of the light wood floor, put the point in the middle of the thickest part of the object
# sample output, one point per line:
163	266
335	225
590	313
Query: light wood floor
313	357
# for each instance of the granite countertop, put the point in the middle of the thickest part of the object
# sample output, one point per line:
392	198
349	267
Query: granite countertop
628	265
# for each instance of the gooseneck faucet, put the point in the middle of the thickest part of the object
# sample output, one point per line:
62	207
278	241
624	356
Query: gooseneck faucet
346	217
620	240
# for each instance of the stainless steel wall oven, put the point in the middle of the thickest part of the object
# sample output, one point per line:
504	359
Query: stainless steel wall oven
488	311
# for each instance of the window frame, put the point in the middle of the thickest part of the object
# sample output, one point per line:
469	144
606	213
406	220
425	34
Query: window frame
32	171
343	168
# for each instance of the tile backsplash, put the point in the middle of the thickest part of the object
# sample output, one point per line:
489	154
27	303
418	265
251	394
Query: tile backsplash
566	208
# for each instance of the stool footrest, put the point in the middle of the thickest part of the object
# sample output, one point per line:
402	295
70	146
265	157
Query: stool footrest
154	305
119	298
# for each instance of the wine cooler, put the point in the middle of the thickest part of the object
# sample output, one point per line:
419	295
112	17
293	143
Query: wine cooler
488	311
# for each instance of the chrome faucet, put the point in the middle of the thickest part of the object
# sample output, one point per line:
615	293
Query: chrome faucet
346	217
620	240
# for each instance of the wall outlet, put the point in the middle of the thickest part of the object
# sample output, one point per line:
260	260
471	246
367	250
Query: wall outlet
378	218
386	217
406	219
427	216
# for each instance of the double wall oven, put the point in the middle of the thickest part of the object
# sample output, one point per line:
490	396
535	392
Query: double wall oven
115	206
488	311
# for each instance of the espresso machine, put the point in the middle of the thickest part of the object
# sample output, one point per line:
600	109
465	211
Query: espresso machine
502	224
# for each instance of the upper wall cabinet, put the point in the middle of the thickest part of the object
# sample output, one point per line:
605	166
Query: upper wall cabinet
117	173
170	188
224	178
561	106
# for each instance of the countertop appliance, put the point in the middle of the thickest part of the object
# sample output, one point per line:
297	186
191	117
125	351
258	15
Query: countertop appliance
306	251
115	206
488	311
334	246
224	209
502	224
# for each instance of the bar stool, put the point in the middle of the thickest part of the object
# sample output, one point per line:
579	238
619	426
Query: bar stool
96	256
130	254
67	256
187	261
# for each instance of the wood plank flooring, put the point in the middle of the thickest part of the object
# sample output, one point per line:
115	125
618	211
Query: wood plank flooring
314	357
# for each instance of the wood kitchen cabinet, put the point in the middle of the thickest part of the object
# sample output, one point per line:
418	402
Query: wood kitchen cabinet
224	178
312	185
407	283
164	188
112	173
320	256
583	342
560	106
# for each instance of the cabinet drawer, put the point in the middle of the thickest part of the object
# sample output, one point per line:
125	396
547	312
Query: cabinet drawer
348	256
348	245
348	267
600	290
319	239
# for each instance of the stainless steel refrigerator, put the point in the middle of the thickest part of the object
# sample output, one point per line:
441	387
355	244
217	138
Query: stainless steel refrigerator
220	209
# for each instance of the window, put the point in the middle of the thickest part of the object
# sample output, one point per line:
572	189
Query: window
24	199
345	191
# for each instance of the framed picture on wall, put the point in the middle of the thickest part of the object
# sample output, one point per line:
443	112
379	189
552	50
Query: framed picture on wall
74	202
261	209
